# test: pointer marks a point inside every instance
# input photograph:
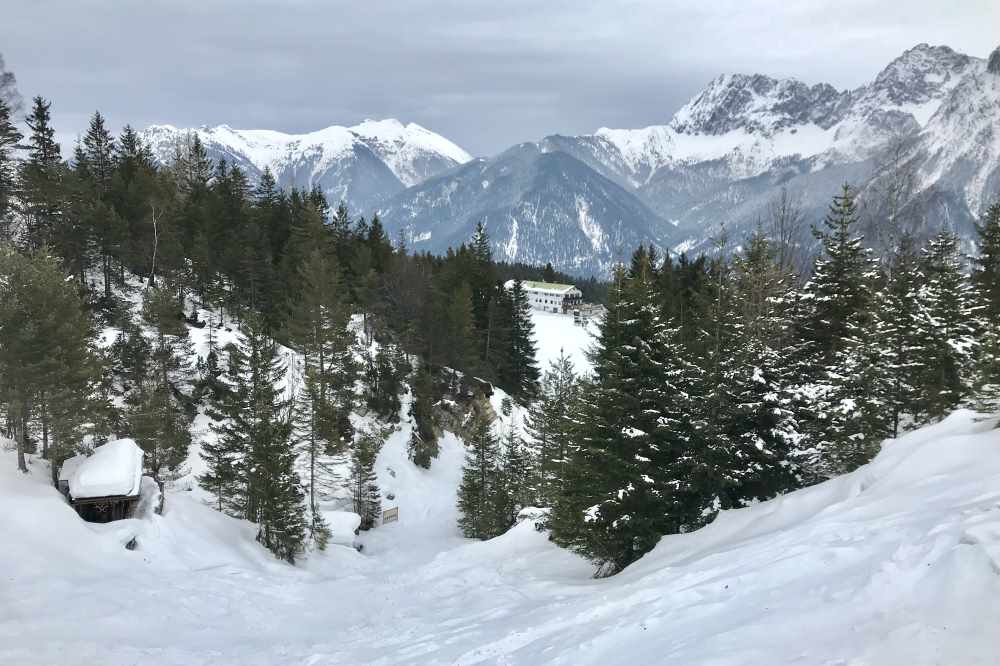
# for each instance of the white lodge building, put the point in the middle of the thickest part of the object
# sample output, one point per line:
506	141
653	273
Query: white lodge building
549	296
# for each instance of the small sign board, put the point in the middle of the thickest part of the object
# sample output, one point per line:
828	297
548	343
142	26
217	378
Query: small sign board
390	515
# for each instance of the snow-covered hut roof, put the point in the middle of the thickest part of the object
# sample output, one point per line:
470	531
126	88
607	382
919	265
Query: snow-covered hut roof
114	469
69	466
544	287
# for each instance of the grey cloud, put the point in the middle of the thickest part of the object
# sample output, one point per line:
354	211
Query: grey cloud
486	74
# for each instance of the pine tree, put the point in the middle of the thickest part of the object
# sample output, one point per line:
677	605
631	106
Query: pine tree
643	468
749	404
158	413
521	374
551	426
902	332
839	294
481	482
251	464
318	327
48	369
9	139
364	482
947	300
41	178
836	320
423	445
384	373
514	492
986	281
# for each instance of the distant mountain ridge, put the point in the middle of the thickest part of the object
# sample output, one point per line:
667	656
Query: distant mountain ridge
360	165
927	127
932	112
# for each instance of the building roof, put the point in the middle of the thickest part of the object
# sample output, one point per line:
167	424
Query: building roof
69	466
546	287
114	469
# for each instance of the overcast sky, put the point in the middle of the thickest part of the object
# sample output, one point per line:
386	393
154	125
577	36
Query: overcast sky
485	74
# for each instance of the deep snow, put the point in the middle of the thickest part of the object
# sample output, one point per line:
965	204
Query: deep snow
897	563
555	333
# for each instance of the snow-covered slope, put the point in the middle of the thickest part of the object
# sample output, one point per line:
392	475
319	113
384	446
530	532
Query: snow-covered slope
895	564
360	165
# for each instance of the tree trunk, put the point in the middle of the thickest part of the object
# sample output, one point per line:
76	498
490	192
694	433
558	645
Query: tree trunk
107	276
45	428
19	437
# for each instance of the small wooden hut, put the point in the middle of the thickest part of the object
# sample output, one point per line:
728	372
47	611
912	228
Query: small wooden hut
105	486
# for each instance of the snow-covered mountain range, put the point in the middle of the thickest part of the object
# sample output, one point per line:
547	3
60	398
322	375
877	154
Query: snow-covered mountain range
922	139
360	165
929	123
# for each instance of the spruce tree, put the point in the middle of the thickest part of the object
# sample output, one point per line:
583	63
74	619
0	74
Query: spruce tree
423	444
522	374
750	406
835	321
480	488
902	332
9	139
986	282
364	481
251	464
838	296
96	163
158	413
515	491
644	470
318	326
551	426
41	179
947	300
48	367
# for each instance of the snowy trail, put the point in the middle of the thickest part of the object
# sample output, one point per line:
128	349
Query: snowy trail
898	563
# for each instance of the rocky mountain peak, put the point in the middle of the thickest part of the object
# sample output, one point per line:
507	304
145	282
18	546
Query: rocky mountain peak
919	74
993	64
755	103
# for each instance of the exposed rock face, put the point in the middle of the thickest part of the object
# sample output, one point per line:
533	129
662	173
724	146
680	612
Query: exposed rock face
994	64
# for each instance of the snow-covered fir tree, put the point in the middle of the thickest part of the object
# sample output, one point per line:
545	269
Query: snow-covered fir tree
902	331
635	473
986	281
753	412
835	321
481	485
947	301
251	463
365	492
551	425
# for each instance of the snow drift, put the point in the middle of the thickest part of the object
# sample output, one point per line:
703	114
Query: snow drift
897	563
